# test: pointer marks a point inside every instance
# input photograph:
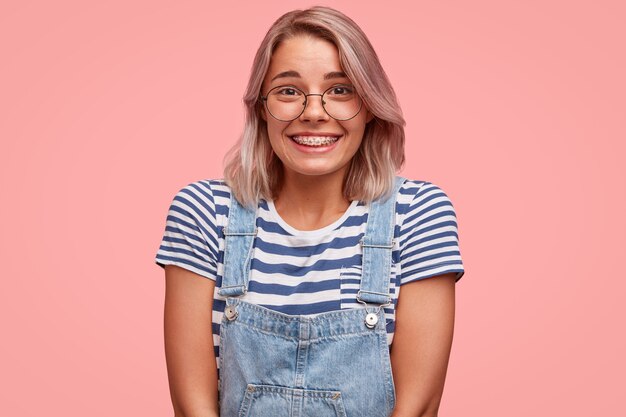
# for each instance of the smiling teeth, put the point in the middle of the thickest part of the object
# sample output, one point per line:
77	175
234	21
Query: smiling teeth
315	140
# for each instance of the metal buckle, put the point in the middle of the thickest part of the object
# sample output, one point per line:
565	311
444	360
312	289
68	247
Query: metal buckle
389	299
363	244
225	232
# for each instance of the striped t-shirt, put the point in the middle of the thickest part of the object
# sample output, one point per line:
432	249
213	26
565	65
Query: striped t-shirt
310	272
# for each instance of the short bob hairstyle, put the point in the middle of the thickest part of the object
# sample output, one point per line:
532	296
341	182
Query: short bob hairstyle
252	169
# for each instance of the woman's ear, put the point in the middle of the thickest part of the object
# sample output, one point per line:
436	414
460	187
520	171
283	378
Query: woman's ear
263	113
370	116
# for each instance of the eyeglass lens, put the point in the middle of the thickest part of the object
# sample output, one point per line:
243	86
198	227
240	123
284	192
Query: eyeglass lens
286	103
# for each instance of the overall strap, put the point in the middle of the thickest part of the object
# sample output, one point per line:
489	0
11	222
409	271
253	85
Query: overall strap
377	247
239	237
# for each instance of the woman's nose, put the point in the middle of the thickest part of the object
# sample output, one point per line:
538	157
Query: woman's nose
314	109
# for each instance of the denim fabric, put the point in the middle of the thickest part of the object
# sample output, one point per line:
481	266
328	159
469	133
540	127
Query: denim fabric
331	364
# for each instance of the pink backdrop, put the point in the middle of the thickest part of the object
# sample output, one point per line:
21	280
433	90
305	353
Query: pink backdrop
515	108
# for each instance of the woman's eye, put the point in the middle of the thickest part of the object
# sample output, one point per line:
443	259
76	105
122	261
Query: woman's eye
341	90
288	91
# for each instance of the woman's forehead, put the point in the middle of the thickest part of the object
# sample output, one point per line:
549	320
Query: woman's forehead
305	57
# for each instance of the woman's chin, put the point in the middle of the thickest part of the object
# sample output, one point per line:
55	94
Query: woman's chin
315	170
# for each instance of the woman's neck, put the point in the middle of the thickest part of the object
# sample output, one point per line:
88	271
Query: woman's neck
308	202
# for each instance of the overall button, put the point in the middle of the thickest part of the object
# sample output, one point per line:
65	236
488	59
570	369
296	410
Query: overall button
370	320
230	312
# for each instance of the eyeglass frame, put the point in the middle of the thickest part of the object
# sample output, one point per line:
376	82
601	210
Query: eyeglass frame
306	101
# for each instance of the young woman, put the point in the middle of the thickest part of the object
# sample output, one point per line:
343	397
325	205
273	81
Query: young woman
296	286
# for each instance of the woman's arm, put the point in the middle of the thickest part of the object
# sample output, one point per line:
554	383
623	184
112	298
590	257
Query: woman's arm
191	366
421	344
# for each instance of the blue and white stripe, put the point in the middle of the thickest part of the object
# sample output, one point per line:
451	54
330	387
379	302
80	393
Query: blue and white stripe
310	272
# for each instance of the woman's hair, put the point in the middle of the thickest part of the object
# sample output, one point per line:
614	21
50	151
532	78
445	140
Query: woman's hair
252	169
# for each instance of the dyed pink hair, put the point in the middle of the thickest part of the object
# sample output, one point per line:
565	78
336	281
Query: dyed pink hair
252	169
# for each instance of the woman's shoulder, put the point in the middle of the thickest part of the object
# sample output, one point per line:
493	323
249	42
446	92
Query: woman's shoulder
212	189
210	186
416	194
415	187
205	197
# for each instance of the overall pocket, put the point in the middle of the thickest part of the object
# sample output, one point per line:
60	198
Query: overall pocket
276	401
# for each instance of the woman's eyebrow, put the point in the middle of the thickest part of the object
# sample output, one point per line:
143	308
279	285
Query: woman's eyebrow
296	74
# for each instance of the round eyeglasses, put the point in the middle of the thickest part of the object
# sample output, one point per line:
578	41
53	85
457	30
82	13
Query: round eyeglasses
287	103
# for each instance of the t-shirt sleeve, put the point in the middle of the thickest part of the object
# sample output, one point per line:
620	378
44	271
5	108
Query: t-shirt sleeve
429	240
190	237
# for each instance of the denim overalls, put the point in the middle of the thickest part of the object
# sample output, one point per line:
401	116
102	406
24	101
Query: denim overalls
332	364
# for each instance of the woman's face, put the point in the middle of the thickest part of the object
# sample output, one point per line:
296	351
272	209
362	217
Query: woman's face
311	65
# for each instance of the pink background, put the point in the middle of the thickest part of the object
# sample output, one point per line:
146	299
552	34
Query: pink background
515	108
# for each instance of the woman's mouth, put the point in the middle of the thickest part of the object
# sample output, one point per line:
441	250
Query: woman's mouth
315	140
